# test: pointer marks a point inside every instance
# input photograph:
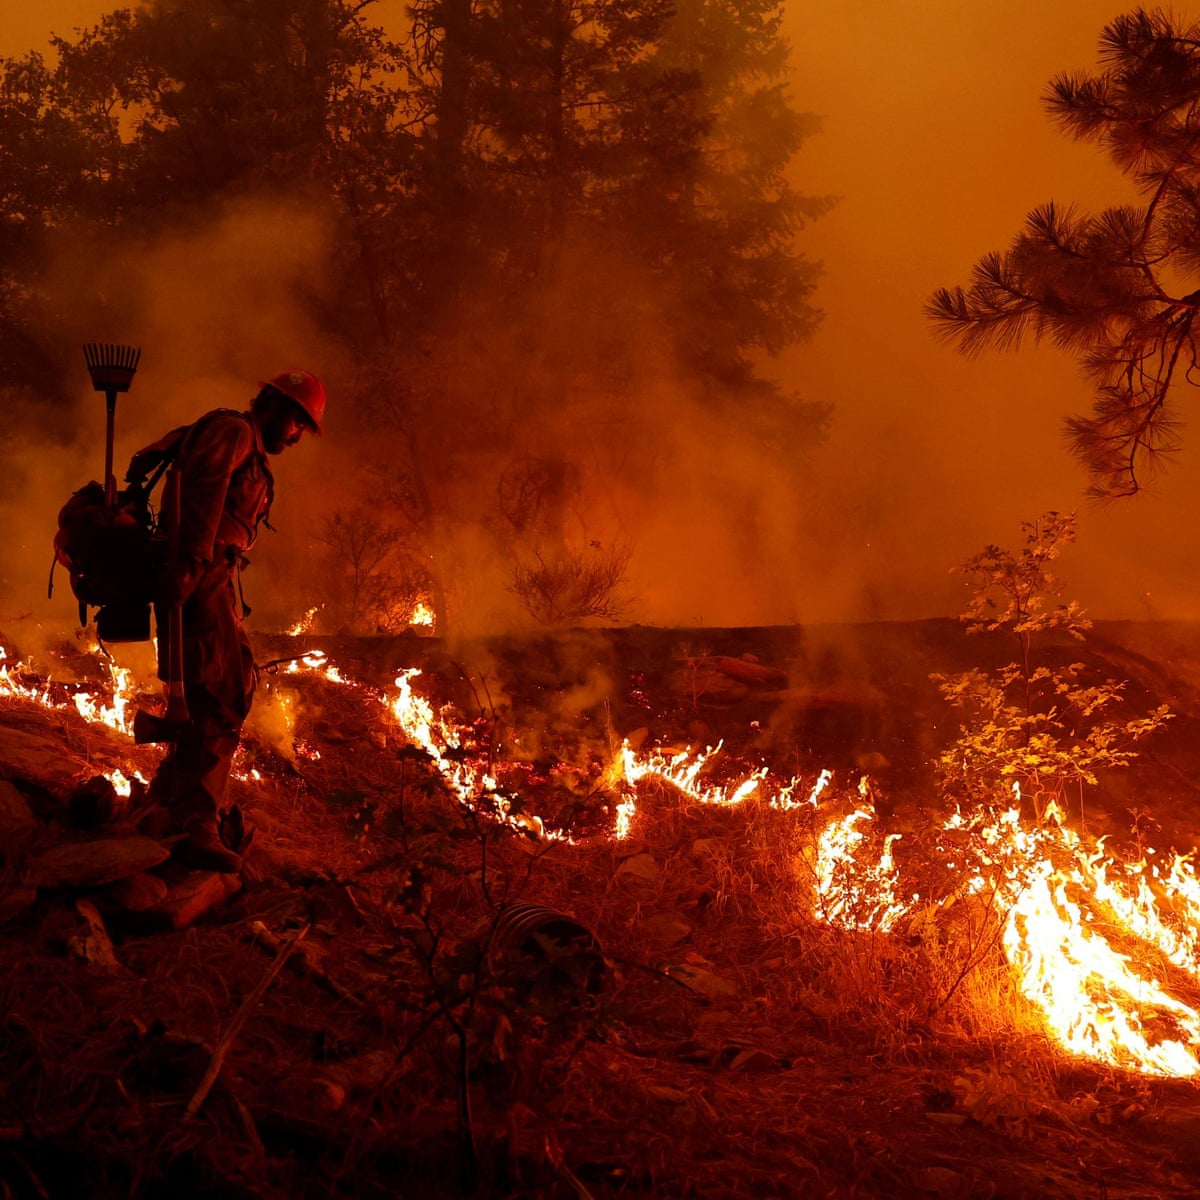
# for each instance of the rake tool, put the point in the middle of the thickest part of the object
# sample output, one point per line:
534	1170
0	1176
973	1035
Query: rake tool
112	369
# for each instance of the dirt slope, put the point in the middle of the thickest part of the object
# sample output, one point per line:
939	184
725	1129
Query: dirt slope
368	1023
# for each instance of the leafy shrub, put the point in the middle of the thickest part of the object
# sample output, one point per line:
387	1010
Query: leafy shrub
1042	728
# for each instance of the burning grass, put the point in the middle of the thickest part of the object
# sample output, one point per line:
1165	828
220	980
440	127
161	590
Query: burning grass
801	995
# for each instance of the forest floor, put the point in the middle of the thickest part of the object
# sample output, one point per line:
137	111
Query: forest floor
417	989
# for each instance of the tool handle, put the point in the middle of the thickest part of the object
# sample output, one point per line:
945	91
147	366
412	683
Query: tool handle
177	709
110	434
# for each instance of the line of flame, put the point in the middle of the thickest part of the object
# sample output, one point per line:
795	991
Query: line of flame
115	712
1094	1002
442	740
1049	884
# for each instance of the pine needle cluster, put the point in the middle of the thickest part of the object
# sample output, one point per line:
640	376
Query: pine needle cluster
1117	289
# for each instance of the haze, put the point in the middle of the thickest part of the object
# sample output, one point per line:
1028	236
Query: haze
934	138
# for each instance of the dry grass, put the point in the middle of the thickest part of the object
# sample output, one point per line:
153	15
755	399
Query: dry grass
739	1048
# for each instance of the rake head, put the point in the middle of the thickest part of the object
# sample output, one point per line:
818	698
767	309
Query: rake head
111	367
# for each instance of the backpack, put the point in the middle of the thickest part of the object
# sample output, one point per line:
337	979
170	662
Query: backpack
114	556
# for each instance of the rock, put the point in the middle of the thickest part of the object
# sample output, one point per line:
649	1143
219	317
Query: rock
1174	1132
189	897
941	1181
640	869
626	847
42	761
953	1119
91	944
666	928
706	982
137	893
358	1074
91	864
748	670
16	817
872	761
703	683
95	803
753	1059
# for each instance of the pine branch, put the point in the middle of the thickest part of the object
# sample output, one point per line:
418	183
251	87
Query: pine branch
993	312
1080	105
1106	287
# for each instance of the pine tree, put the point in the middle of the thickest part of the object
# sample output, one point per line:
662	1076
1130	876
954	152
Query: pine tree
154	115
542	211
1117	289
614	218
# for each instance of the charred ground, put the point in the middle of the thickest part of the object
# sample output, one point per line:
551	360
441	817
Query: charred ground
725	1045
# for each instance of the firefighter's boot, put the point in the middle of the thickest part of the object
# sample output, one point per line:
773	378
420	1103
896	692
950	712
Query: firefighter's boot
201	847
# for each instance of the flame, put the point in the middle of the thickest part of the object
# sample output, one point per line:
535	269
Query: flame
1068	908
122	783
113	712
852	893
318	660
12	685
116	712
1081	929
625	811
682	771
442	738
1096	1004
421	614
302	626
1135	899
443	741
849	893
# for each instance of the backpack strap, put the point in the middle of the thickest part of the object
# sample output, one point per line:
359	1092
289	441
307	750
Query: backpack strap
147	466
150	463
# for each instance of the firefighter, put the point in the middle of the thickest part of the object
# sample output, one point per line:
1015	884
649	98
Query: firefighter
226	489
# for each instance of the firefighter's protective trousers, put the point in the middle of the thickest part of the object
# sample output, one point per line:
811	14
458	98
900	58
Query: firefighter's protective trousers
219	681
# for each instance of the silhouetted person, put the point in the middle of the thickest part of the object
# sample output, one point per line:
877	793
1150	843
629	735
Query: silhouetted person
226	489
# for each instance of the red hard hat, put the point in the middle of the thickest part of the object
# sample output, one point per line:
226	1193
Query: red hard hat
305	389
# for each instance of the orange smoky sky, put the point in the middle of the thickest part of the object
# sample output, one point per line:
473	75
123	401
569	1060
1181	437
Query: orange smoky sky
934	138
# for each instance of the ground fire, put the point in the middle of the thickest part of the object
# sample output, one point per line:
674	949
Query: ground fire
1073	912
432	797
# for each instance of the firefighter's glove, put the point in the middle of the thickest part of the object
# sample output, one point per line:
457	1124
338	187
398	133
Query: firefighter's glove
180	581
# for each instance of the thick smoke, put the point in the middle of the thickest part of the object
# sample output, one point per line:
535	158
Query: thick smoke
935	137
212	308
703	510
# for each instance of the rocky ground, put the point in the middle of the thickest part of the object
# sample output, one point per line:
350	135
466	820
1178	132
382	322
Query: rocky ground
403	996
